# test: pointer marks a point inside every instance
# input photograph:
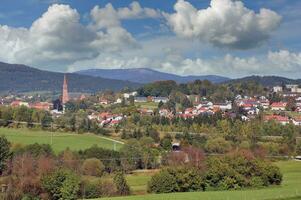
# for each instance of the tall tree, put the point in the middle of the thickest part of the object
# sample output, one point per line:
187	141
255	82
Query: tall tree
4	153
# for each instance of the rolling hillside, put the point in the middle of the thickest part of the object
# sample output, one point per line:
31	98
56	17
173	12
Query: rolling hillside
21	78
266	80
144	75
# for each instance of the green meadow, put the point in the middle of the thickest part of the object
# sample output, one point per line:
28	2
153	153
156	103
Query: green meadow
58	140
289	190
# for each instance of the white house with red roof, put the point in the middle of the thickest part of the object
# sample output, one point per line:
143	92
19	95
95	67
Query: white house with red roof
297	121
278	106
280	119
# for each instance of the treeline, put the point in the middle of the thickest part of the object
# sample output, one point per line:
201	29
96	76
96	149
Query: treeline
204	88
31	118
219	135
232	171
34	172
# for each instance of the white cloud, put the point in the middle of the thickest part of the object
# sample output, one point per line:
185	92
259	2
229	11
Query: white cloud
280	62
226	23
108	16
58	37
290	62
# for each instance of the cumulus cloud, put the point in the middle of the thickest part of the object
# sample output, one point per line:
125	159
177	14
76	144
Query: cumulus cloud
108	16
282	62
226	23
59	38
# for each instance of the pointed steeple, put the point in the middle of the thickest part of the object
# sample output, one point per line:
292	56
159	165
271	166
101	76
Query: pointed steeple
65	97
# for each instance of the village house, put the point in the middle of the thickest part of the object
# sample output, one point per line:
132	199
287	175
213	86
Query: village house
104	101
278	106
42	106
223	106
264	103
119	100
194	99
277	89
296	121
140	99
160	99
128	95
18	103
165	113
207	104
280	119
145	111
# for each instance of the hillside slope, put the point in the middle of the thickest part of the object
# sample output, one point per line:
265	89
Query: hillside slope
266	80
21	78
144	75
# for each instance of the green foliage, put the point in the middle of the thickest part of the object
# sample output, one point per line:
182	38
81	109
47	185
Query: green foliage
218	145
4	153
110	158
121	184
166	142
182	179
93	167
61	184
162	182
35	150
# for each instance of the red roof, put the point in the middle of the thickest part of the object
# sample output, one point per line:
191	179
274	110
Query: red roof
276	118
279	104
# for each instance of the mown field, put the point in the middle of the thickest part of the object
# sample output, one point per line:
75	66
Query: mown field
289	190
58	140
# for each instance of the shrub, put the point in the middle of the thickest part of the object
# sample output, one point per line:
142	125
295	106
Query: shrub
90	190
256	182
93	167
4	153
182	179
163	182
107	188
218	145
121	184
61	184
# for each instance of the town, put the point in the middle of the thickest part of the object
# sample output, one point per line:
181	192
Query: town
285	109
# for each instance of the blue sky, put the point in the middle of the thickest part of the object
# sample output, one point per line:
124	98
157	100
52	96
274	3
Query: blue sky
223	37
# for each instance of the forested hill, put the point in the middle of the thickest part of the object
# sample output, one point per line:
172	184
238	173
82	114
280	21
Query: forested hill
266	80
145	75
21	78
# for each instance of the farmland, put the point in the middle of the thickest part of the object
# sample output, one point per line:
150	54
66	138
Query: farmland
58	140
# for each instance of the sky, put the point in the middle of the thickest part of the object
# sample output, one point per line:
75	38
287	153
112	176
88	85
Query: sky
232	38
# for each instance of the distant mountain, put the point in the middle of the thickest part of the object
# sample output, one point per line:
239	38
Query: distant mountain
144	75
21	78
266	80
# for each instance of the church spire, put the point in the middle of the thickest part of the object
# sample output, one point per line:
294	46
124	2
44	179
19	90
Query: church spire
65	97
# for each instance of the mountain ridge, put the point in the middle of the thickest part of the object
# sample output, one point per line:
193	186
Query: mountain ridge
145	75
23	78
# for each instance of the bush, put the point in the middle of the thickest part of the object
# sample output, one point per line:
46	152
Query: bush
163	182
256	182
121	184
182	179
4	153
233	171
61	184
218	145
93	167
90	190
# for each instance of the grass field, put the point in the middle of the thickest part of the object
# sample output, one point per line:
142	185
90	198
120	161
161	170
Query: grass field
289	190
147	105
60	140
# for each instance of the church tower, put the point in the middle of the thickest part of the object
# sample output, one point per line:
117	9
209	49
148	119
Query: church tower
65	97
